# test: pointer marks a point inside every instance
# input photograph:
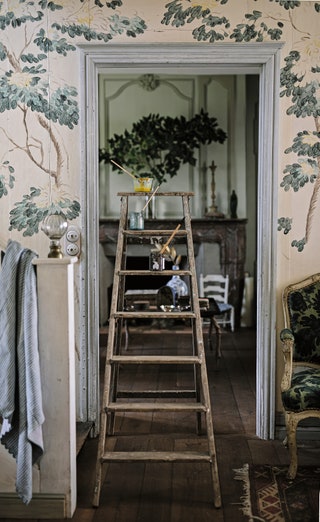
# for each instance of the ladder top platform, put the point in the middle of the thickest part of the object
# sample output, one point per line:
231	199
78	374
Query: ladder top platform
157	194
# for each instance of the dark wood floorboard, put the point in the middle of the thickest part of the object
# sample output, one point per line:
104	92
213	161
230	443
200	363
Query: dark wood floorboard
182	492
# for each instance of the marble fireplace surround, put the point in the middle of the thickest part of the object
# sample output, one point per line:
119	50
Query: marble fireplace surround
230	234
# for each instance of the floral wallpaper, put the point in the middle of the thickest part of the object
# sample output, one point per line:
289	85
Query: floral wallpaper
39	109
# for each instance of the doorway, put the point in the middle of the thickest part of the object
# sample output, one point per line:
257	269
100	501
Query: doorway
262	60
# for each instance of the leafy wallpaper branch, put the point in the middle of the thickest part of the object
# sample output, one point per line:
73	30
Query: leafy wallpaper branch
26	85
26	88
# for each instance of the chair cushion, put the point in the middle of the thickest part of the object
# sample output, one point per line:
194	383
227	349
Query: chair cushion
304	308
304	393
224	307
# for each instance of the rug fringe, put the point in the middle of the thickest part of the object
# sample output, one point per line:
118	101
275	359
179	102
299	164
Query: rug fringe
246	508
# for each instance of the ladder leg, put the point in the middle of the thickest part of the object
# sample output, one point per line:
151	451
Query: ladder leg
101	448
197	380
211	441
114	378
213	463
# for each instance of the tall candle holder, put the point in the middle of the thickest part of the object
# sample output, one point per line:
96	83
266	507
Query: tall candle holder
213	209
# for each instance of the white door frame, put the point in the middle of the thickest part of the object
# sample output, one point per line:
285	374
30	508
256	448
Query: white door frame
225	58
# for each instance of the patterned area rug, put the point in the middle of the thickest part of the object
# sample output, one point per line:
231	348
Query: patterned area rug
270	497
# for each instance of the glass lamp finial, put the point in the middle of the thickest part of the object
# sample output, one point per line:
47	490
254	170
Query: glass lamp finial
55	226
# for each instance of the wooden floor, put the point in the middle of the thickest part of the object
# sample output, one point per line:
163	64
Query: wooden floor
182	492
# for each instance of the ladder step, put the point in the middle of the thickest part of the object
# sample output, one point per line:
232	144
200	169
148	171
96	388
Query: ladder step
155	406
157	232
155	359
159	194
160	456
155	394
155	273
154	315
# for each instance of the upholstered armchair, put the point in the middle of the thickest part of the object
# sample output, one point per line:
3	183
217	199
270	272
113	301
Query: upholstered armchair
300	385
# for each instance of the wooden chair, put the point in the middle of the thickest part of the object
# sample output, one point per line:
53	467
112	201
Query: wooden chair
300	385
217	286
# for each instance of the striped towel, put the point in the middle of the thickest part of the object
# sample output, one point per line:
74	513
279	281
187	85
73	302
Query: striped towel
20	383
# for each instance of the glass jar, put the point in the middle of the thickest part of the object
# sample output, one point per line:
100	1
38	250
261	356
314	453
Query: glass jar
179	287
156	261
136	221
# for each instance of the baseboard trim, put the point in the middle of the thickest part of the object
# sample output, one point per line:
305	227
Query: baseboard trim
42	506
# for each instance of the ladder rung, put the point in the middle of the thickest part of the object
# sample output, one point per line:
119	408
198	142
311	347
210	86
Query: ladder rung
155	273
158	194
156	232
155	359
153	315
160	456
154	394
155	406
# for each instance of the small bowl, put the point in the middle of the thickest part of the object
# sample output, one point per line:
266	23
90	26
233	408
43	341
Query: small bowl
142	184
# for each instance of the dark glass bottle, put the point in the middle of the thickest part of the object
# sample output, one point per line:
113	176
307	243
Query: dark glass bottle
233	205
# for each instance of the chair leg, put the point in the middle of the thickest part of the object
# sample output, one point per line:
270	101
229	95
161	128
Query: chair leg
291	425
126	333
232	319
213	323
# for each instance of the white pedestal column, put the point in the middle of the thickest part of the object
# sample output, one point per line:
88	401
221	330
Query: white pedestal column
55	491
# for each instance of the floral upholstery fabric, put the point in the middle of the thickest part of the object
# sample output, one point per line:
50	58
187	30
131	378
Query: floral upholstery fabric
304	393
304	307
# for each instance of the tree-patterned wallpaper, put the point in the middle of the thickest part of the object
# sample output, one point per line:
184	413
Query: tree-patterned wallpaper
35	35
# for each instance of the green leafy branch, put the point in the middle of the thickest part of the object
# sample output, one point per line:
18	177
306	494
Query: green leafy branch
118	25
299	244
113	4
291	4
306	143
297	176
44	4
7	179
9	19
62	107
248	32
28	214
58	45
157	145
304	98
177	17
284	223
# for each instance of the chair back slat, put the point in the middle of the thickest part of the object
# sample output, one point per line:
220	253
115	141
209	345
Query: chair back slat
215	285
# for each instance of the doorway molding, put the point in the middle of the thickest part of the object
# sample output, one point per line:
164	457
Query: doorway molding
225	58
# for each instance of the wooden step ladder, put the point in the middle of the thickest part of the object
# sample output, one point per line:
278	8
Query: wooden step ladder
114	401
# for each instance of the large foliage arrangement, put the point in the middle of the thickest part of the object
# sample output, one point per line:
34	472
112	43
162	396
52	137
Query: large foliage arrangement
157	146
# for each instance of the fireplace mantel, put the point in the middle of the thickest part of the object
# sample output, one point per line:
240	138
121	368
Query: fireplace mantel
230	234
